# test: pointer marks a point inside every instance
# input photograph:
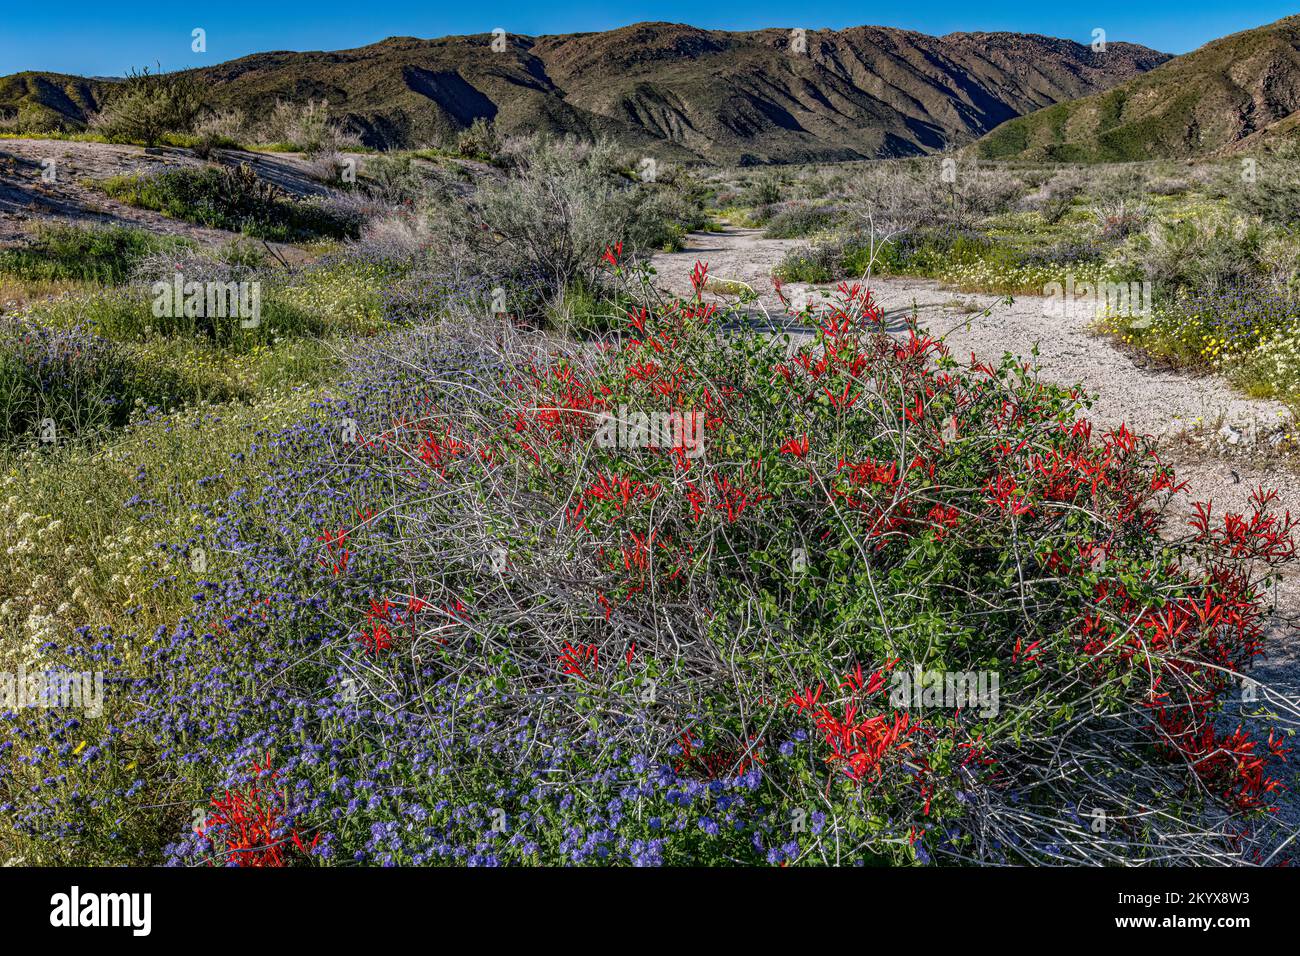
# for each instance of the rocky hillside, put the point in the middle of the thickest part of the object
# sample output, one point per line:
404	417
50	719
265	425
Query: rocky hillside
1240	91
675	90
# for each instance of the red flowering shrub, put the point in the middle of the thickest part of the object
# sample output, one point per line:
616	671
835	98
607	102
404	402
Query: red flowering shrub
783	542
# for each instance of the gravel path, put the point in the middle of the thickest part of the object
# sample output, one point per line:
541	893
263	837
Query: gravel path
1205	427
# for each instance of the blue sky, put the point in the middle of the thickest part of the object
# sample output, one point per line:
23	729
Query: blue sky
100	38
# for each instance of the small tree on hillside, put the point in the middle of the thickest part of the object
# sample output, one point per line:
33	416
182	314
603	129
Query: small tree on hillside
149	106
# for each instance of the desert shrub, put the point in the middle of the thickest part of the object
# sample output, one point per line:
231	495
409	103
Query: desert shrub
237	260
219	129
396	179
891	196
233	198
97	254
1119	218
1201	251
1123	181
820	261
984	191
147	106
397	236
132	318
393	179
1271	194
799	219
666	211
479	141
306	127
223	125
886	198
1054	198
759	216
331	168
762	190
541	230
497	637
35	119
1056	207
1168	186
1278	261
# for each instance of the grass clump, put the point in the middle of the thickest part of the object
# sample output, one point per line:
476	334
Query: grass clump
57	384
105	255
232	198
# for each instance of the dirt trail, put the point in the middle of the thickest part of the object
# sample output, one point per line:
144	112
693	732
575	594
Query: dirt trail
1216	438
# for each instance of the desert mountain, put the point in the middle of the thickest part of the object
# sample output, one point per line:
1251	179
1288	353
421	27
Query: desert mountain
681	92
1241	90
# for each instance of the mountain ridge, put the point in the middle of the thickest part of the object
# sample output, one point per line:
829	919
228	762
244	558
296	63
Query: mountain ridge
682	92
1239	91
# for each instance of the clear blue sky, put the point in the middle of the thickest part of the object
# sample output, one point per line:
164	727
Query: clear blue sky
106	37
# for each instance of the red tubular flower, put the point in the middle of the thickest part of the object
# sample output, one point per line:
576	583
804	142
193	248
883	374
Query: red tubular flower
842	400
573	660
246	826
797	446
853	679
805	702
725	762
699	278
378	638
1005	493
336	556
943	518
1030	653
